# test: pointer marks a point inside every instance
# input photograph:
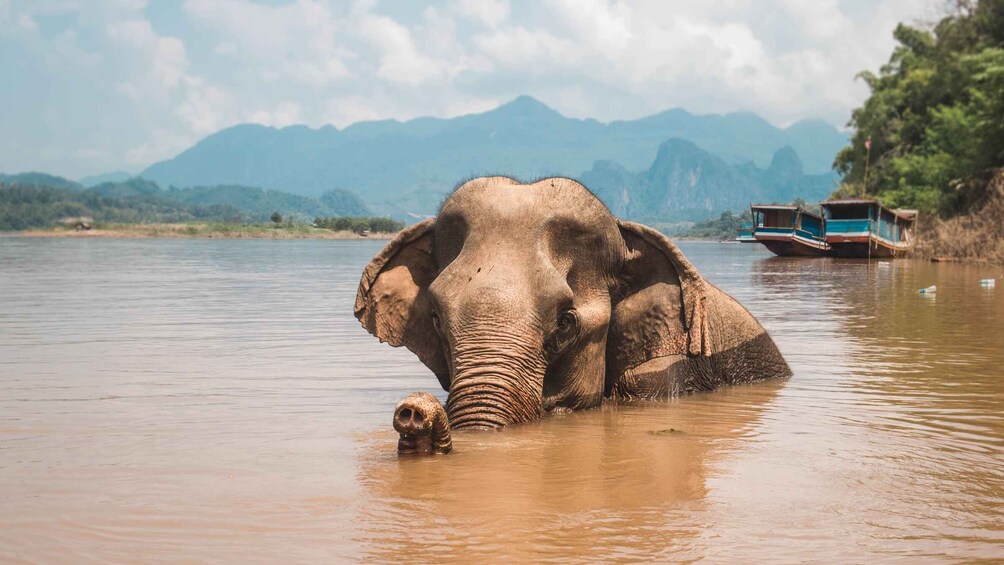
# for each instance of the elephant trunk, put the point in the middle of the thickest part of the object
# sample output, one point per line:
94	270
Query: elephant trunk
497	388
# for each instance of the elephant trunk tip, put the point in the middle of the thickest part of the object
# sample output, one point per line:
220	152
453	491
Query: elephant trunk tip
423	425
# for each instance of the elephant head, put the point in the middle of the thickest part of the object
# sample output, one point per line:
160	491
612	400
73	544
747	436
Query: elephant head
523	299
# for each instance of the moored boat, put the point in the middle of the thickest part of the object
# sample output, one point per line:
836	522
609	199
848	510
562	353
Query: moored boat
746	233
864	228
788	230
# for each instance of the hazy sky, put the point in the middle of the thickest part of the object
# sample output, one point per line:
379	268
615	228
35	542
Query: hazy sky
91	86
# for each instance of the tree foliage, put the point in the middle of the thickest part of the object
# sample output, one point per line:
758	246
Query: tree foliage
25	206
34	200
355	224
722	228
935	116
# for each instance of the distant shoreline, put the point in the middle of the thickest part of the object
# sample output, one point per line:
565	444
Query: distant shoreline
228	231
198	231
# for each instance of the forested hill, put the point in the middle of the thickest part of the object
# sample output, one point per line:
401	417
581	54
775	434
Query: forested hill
257	203
400	168
38	200
935	116
687	183
40	179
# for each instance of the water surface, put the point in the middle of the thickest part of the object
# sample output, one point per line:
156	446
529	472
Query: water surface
215	401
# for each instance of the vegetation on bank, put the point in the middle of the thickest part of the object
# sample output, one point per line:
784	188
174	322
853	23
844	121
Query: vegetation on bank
935	118
722	228
200	230
347	223
35	206
978	236
35	200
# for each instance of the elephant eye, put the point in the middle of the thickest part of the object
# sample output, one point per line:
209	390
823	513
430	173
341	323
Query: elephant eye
567	325
566	328
567	322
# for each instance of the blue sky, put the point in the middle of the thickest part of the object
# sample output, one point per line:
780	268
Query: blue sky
95	86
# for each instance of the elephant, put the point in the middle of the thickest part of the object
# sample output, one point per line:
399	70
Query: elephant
527	299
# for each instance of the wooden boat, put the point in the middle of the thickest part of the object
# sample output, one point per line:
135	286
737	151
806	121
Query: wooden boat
746	233
864	228
788	230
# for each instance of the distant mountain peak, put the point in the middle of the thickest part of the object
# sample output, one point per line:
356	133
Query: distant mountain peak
786	162
525	105
39	179
676	146
810	124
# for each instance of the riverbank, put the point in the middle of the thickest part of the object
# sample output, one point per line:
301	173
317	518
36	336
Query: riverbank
201	230
977	237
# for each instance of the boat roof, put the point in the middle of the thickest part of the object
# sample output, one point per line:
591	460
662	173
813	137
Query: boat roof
849	202
901	212
790	207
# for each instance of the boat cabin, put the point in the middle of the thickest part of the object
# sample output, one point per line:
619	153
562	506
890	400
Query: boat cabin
788	230
863	227
746	233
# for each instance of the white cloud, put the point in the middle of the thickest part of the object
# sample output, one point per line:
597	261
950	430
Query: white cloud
147	86
400	60
129	5
346	110
161	141
165	56
285	113
298	41
490	13
205	108
226	48
27	23
4	12
533	51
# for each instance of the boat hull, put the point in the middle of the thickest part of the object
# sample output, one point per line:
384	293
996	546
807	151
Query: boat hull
784	245
864	247
792	249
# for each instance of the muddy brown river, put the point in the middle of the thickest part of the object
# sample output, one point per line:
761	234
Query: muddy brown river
208	401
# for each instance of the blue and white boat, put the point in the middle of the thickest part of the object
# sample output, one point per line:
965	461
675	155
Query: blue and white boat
746	233
788	230
864	228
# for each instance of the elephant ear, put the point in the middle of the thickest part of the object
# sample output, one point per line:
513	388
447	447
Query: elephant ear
392	302
660	304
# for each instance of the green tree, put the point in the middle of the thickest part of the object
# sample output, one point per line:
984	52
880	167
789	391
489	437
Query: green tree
934	116
350	223
725	227
276	218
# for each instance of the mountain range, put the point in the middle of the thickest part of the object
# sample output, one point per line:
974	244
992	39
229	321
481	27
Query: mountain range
687	183
674	162
49	197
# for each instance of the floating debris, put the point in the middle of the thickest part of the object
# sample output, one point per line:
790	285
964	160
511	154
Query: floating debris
666	432
988	283
929	290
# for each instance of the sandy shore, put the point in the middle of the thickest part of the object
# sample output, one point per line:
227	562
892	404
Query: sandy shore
200	231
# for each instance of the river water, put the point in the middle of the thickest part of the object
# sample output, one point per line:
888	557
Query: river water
166	401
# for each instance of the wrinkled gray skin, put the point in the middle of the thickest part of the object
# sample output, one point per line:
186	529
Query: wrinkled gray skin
526	299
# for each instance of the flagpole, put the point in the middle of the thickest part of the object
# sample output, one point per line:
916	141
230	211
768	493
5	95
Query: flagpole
868	158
